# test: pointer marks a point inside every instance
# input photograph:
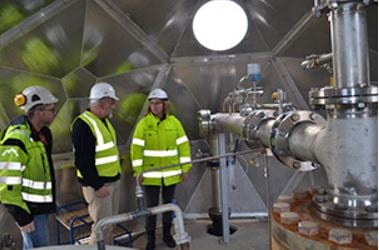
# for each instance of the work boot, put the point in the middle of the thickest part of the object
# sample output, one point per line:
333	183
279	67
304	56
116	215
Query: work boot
167	237
150	240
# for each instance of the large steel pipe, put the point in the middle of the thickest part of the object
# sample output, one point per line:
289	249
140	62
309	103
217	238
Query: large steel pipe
347	148
231	123
348	28
215	176
264	132
303	141
275	133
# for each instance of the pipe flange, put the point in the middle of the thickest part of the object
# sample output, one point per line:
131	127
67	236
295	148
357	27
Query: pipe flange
358	212
329	97
205	123
282	130
252	123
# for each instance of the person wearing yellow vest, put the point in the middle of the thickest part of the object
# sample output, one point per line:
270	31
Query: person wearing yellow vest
97	157
160	140
27	184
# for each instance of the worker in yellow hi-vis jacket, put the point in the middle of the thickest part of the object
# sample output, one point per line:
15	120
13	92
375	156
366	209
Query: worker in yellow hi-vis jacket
160	140
27	183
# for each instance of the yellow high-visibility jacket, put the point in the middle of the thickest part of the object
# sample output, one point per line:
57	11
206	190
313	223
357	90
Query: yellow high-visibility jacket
26	172
107	160
159	143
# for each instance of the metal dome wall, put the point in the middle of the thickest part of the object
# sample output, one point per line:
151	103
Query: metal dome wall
139	45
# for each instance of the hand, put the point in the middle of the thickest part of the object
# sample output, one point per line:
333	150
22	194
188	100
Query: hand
184	177
140	178
28	228
102	192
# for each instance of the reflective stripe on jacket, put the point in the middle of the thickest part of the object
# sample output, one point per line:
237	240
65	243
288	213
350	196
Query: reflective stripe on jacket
107	160
25	173
159	143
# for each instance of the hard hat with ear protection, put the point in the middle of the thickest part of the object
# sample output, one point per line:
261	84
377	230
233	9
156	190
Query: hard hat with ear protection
158	94
101	90
33	96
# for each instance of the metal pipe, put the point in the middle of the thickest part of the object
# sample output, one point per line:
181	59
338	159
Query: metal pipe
348	27
181	236
210	158
302	141
345	145
315	61
215	175
224	181
232	123
264	132
347	148
109	221
266	175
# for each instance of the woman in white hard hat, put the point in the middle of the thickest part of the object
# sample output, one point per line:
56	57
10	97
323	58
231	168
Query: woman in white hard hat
27	181
160	140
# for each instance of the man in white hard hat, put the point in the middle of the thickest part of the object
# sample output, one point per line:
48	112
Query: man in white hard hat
27	184
96	156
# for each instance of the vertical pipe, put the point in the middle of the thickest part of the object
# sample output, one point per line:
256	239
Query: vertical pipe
348	27
224	190
347	148
215	176
268	202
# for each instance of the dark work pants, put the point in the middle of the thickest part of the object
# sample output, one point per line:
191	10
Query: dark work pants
152	200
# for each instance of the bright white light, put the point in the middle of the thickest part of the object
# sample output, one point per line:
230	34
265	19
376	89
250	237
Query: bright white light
220	25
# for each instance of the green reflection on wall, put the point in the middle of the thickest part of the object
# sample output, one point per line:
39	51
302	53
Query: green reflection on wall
38	56
130	107
10	15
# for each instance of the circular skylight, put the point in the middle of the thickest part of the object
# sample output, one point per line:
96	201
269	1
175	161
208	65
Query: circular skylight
220	25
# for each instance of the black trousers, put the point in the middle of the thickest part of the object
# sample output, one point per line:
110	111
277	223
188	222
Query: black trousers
152	200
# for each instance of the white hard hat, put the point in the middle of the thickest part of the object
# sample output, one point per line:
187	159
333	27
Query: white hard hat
101	90
158	94
33	96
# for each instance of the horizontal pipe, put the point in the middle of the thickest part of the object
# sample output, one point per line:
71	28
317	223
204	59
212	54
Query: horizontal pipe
109	221
204	159
264	132
302	142
181	236
315	61
232	123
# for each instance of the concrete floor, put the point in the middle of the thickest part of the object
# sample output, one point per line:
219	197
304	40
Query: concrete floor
250	235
